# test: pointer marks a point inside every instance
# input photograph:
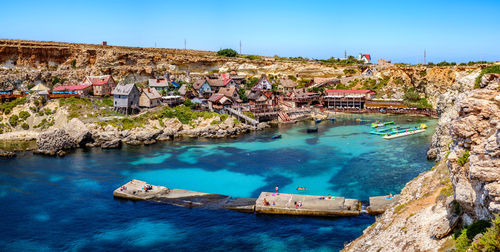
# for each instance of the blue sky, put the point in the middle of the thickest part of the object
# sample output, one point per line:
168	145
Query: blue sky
396	30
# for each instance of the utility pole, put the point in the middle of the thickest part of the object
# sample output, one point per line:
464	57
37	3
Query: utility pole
345	54
240	46
184	44
425	56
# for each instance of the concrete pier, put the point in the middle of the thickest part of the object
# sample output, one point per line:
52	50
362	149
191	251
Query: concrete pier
379	204
135	190
311	205
283	203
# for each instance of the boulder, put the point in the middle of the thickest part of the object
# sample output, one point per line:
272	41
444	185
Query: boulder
112	144
53	141
79	131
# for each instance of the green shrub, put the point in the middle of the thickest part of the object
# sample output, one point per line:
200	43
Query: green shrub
464	158
249	114
486	70
25	126
24	115
349	71
7	107
252	57
223	117
227	52
73	63
13	120
490	241
462	242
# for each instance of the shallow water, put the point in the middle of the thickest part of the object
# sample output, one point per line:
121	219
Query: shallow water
67	204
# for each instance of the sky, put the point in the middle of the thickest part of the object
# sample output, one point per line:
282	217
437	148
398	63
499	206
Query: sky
397	30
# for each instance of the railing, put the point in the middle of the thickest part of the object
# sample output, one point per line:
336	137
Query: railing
240	115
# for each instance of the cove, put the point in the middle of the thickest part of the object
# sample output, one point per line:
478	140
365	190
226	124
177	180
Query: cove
67	204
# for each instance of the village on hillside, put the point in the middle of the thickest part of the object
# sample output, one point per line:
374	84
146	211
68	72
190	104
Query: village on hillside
251	99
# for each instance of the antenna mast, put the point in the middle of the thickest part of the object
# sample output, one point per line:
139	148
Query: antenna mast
240	46
425	56
184	44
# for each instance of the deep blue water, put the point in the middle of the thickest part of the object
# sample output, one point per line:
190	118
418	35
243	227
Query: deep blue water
67	204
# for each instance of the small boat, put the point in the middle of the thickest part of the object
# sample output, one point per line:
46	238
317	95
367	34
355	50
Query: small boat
333	119
277	136
317	120
312	130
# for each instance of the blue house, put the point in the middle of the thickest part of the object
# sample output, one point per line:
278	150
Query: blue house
203	88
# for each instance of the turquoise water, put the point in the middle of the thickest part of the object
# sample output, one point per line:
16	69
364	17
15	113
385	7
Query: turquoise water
67	204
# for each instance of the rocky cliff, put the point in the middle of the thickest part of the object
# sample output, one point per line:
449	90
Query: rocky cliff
463	187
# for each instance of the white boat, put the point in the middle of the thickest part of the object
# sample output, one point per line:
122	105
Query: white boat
403	134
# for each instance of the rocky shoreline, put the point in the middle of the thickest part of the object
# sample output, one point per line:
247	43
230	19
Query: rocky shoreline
76	134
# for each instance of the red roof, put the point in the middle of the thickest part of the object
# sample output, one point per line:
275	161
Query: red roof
71	87
363	91
311	93
366	55
226	81
99	80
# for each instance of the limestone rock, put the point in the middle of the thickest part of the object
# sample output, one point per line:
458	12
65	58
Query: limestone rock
53	141
7	154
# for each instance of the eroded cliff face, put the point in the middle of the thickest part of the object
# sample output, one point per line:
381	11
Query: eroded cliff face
459	189
475	132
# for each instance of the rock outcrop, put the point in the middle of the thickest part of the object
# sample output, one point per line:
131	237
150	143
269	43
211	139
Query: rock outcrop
474	158
55	142
463	187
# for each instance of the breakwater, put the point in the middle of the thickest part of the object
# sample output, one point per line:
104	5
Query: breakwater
267	203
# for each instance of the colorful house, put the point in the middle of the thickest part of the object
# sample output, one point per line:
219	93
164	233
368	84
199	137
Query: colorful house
365	57
230	92
82	90
101	85
339	98
263	84
203	88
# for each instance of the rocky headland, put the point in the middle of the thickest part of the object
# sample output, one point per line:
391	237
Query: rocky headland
461	189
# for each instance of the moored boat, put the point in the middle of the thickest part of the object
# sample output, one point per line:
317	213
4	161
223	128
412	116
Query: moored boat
312	130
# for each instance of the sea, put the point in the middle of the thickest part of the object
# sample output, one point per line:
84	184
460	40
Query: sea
66	204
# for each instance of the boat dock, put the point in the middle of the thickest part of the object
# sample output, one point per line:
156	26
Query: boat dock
402	134
280	204
296	204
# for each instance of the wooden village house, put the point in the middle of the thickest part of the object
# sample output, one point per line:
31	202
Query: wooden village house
160	84
203	88
149	98
126	98
101	85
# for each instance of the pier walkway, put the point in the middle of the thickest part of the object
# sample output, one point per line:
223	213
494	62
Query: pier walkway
288	204
282	203
242	116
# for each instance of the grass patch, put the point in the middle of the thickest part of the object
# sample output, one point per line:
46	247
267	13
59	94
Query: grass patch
486	70
464	158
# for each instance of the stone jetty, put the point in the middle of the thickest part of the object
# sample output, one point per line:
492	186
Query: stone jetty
379	204
138	190
282	204
295	204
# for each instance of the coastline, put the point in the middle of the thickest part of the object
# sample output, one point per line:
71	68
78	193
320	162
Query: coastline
76	134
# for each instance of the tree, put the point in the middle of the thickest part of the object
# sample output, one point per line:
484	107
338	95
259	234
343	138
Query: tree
243	96
227	52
